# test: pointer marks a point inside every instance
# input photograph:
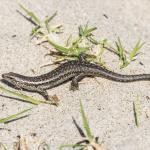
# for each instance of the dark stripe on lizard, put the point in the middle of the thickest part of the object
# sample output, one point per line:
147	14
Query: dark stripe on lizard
74	70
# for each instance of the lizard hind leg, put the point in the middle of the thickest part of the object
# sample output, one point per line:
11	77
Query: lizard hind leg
52	99
75	82
43	93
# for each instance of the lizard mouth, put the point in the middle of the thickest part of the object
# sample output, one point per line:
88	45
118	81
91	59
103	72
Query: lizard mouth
4	75
7	76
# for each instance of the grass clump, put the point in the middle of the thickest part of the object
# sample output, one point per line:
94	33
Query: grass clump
124	56
83	43
89	140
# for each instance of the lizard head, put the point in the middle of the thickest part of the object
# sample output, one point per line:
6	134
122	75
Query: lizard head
9	79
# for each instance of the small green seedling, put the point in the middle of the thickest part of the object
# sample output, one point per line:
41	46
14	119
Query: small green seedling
14	116
135	50
124	56
89	140
42	29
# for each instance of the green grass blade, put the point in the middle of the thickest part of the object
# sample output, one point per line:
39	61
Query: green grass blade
92	40
15	116
85	31
136	49
120	48
89	31
86	27
66	146
22	96
70	146
34	31
81	31
137	111
80	50
35	19
85	123
121	53
2	146
58	47
68	41
48	19
68	51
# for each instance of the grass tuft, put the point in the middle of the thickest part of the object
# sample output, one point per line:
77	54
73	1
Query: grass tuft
84	42
89	140
135	50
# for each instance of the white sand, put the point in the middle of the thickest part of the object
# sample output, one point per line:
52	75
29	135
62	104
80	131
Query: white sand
109	106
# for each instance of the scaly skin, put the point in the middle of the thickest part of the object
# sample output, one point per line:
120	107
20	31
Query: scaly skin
74	70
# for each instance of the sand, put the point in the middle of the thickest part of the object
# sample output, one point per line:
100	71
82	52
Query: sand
108	105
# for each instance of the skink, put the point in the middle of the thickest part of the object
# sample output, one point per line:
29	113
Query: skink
74	70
